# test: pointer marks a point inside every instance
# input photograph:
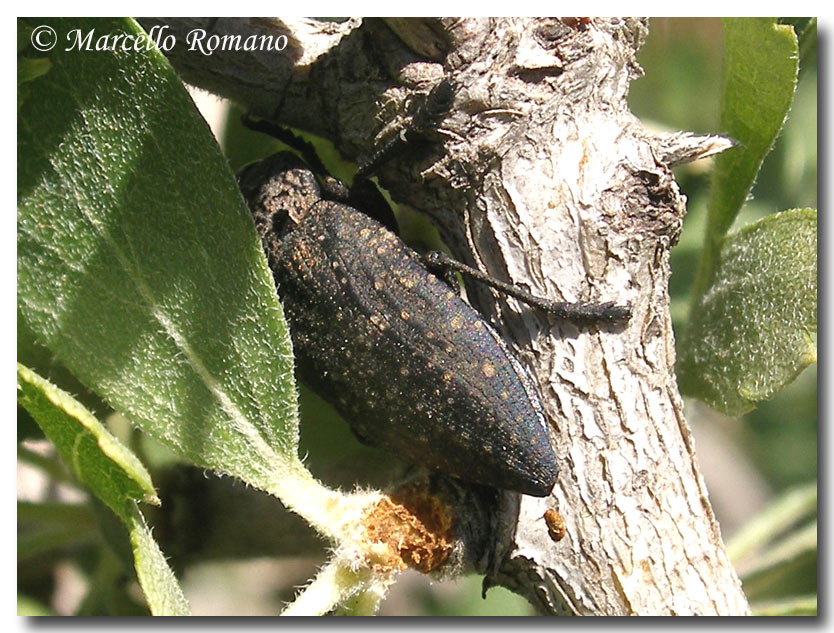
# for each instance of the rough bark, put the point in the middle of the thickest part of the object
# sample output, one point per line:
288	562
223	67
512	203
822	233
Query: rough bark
540	175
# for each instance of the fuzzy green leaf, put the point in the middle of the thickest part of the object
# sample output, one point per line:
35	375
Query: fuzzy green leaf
755	328
760	74
138	262
112	472
159	583
806	33
97	458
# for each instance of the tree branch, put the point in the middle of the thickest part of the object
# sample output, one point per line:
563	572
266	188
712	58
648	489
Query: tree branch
541	176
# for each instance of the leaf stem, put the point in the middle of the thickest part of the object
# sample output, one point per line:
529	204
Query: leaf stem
335	583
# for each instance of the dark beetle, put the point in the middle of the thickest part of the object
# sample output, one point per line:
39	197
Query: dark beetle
411	366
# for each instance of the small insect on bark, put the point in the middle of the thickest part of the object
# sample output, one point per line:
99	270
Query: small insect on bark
411	366
556	528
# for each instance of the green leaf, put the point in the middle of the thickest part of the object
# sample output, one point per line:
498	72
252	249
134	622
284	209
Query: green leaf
806	33
799	543
138	262
112	473
785	568
755	329
158	581
28	68
792	507
98	459
45	527
760	74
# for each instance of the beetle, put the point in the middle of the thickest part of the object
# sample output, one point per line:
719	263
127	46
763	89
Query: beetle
411	366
